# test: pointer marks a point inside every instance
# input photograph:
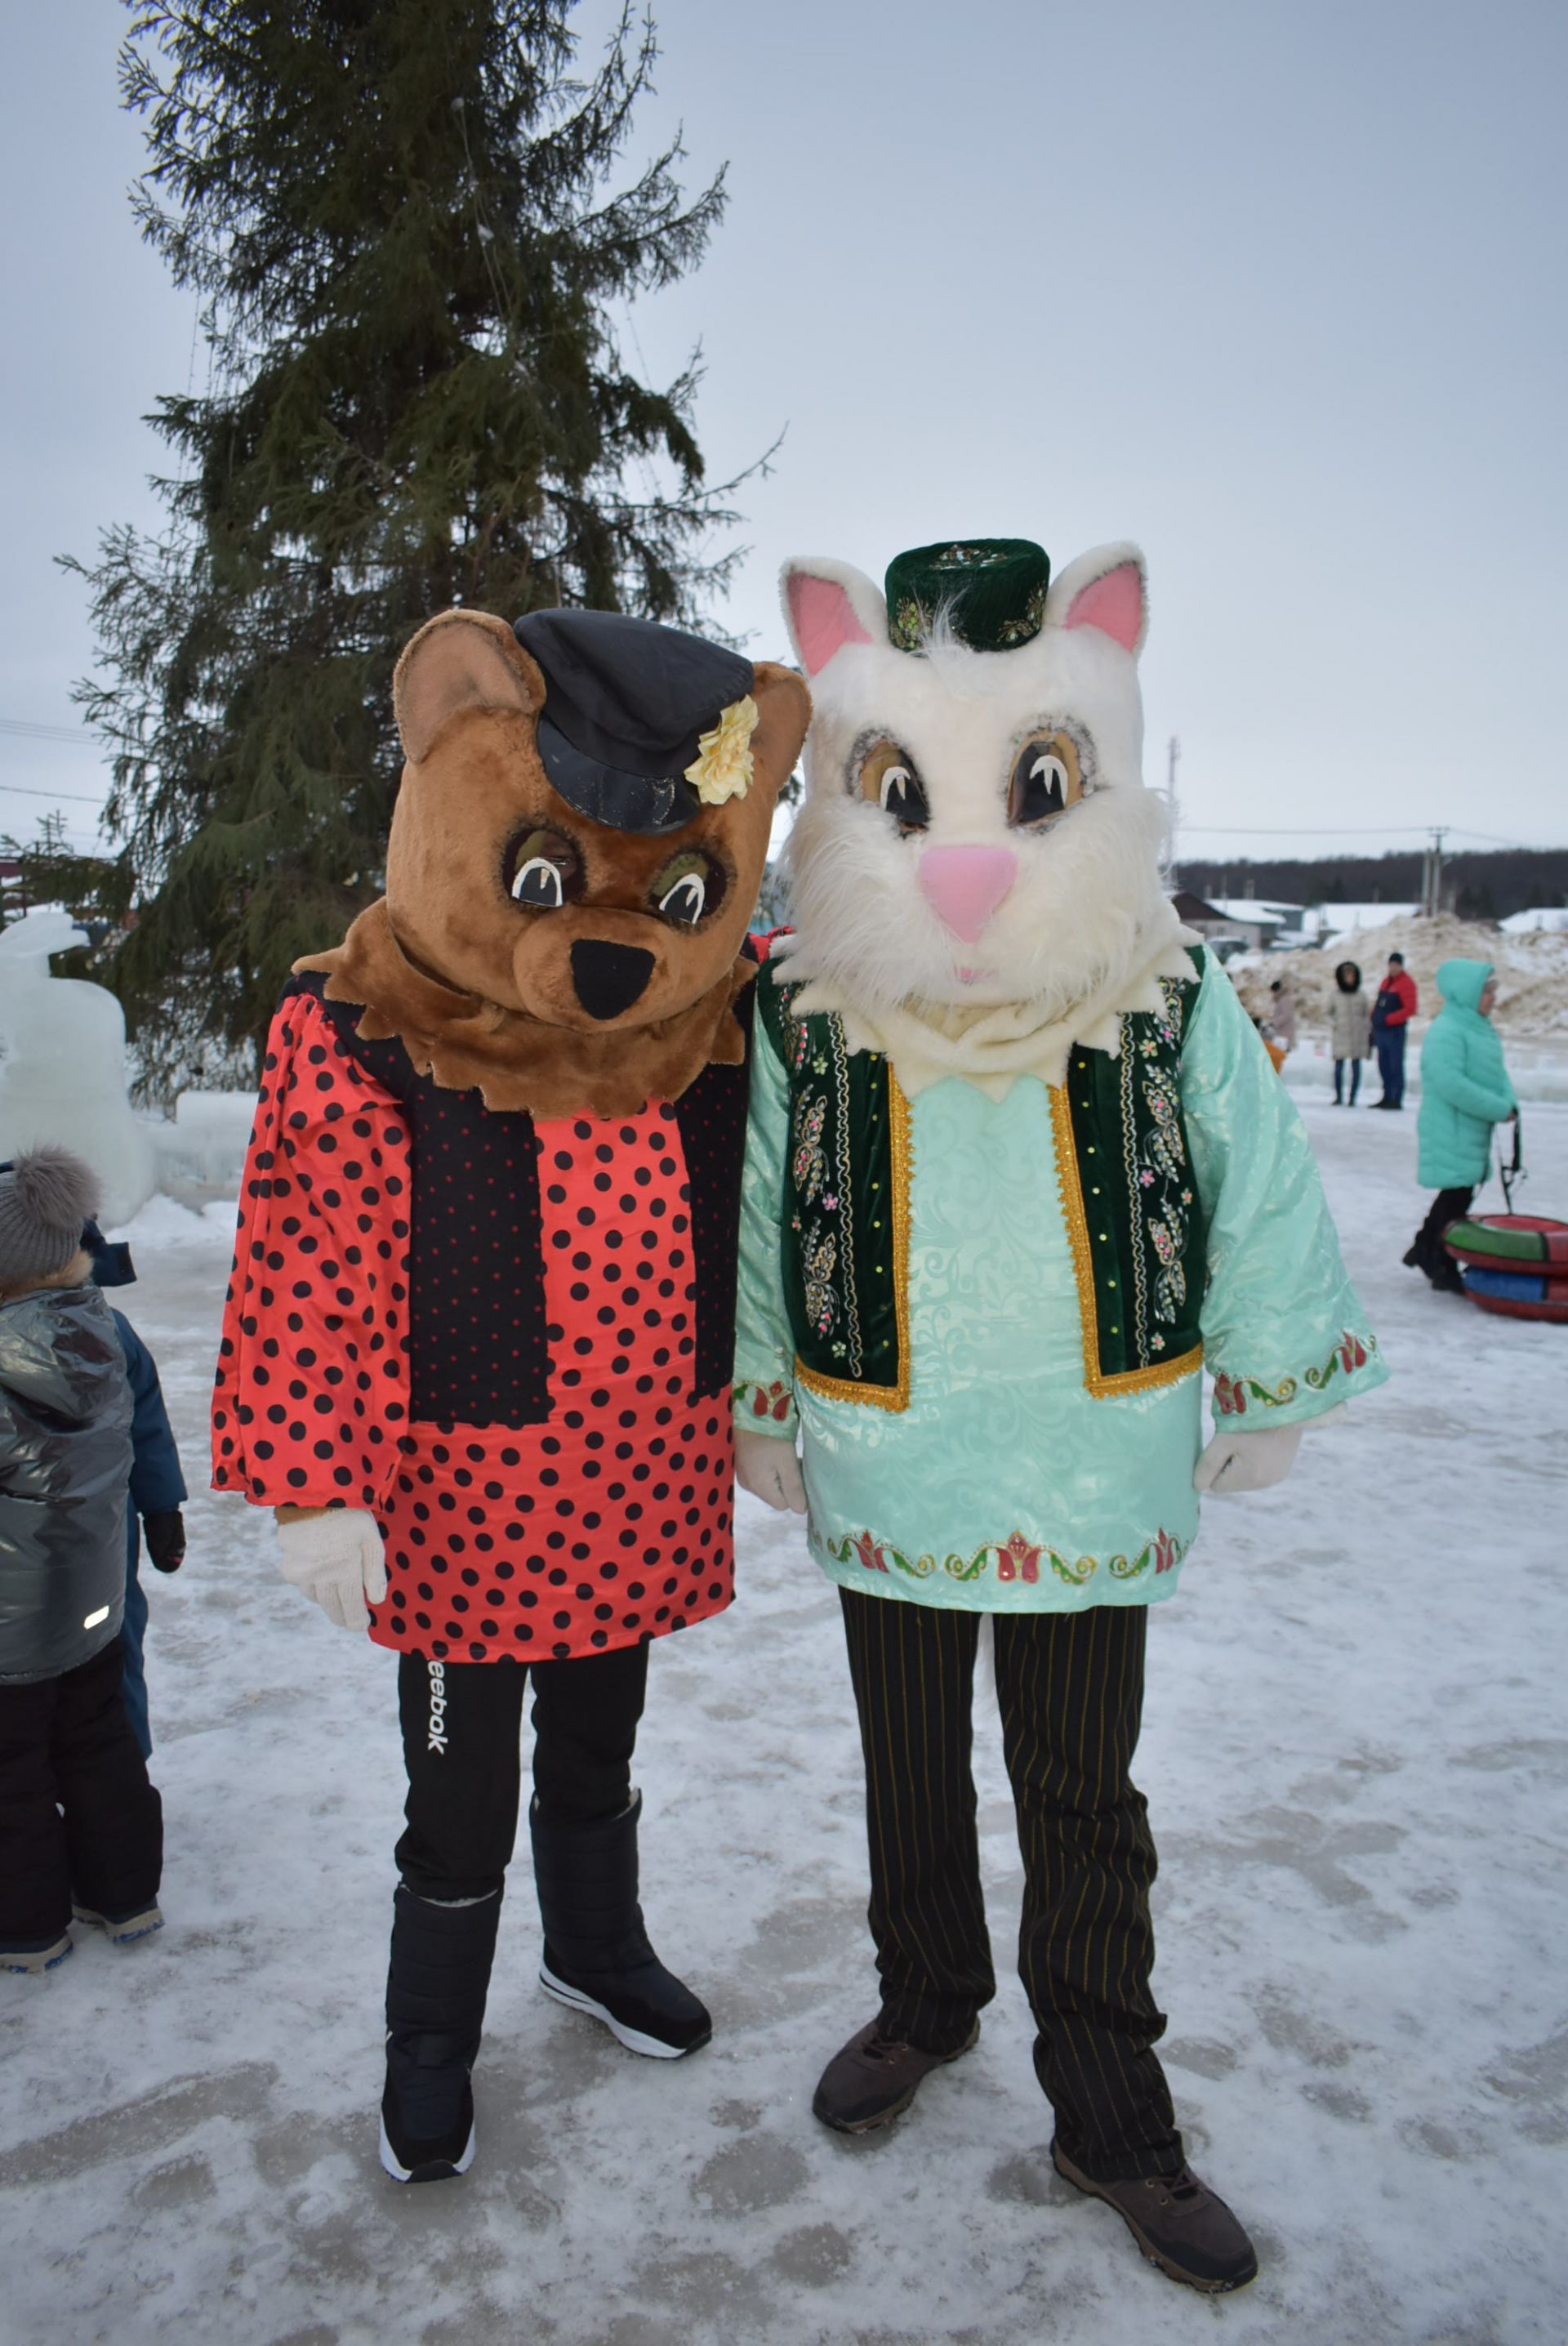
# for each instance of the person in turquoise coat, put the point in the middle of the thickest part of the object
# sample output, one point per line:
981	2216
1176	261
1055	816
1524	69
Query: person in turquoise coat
1465	1096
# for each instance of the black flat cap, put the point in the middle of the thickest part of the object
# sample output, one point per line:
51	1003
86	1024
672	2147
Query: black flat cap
624	703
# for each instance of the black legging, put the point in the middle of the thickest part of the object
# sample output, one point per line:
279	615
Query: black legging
461	1724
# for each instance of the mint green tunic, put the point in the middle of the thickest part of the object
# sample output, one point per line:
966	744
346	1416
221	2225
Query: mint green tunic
1006	1485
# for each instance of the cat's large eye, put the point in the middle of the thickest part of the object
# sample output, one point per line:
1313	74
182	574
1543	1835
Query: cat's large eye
688	890
542	871
888	779
1047	779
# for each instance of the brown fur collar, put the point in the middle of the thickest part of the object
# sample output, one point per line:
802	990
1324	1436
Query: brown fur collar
462	1042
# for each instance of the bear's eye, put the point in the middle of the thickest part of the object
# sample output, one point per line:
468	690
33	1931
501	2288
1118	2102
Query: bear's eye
688	890
543	869
889	780
1047	779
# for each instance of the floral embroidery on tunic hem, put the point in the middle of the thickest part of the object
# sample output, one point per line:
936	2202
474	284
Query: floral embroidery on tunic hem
1016	1559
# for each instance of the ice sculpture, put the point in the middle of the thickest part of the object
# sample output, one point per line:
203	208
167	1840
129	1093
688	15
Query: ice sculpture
62	1064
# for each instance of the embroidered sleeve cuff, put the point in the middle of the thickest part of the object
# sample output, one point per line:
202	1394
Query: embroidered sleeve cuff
766	1408
1354	1366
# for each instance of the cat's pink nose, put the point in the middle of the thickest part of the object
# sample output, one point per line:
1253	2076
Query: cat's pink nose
964	886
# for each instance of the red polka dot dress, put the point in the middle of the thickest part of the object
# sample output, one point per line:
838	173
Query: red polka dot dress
500	1337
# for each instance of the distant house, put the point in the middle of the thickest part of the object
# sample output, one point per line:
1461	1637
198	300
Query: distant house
1241	925
1196	912
1255	926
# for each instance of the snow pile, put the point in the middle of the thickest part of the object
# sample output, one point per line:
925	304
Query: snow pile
1531	969
1551	917
1337	919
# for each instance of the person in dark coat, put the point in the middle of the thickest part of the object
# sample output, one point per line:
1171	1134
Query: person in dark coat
1392	1014
157	1489
81	1828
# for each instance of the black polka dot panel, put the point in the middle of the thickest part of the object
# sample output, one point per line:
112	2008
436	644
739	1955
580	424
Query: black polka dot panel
478	1349
711	1119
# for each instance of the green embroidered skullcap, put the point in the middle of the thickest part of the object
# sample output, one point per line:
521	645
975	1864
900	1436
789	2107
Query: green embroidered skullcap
991	590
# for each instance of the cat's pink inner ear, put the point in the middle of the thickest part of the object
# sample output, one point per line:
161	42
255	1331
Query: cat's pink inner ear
824	618
1113	604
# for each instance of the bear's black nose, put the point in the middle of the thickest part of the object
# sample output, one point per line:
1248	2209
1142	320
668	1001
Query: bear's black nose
609	978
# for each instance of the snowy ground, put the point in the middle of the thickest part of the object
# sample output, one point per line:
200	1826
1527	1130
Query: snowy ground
1354	1753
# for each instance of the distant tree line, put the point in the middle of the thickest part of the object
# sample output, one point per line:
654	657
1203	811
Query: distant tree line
1485	887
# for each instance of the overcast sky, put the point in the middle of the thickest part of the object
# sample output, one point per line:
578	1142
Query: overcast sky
1274	287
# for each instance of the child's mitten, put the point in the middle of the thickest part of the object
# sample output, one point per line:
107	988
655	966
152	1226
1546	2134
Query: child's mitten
166	1539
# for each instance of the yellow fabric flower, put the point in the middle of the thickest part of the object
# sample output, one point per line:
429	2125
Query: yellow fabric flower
722	768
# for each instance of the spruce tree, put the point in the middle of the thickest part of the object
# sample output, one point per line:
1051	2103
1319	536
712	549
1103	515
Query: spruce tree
400	220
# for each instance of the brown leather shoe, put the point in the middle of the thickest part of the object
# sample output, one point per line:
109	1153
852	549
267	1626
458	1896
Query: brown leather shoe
872	2077
1179	2224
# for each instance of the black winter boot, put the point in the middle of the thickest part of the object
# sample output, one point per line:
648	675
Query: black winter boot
436	1988
598	1958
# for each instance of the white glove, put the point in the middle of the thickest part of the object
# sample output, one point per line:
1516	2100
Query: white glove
338	1560
766	1466
1247	1461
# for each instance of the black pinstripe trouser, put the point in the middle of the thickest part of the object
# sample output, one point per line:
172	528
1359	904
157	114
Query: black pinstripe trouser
1070	1687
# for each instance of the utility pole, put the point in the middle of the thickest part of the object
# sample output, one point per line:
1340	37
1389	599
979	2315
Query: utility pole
1432	878
1173	755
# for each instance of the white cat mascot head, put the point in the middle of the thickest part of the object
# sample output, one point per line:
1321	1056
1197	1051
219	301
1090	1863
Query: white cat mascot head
974	874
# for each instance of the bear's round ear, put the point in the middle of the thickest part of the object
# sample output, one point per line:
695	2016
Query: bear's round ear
784	713
1106	588
827	604
459	659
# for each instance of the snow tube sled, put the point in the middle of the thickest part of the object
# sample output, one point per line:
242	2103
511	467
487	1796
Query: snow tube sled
1516	1264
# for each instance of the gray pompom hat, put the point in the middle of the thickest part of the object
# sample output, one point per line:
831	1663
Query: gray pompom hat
45	1195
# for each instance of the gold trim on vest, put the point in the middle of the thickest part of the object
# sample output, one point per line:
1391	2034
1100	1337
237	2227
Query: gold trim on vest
893	1398
1128	1381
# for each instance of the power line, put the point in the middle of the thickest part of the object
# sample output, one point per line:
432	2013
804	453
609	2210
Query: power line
1493	838
1352	831
1302	831
78	798
29	731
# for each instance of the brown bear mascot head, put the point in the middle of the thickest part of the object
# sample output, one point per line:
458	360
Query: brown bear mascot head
574	853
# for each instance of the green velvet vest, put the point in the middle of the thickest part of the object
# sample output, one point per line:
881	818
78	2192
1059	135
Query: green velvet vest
1124	1170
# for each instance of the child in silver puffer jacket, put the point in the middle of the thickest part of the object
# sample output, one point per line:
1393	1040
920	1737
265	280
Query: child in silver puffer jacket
81	1828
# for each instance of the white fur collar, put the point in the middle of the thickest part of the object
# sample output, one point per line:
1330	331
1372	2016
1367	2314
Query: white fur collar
992	1047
